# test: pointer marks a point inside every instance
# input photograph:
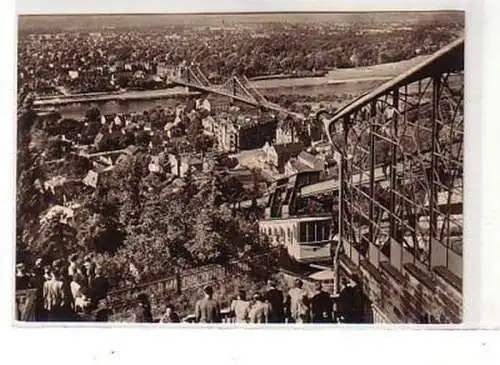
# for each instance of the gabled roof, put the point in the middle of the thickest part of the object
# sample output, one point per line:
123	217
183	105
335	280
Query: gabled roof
193	160
301	167
130	150
268	175
102	169
312	162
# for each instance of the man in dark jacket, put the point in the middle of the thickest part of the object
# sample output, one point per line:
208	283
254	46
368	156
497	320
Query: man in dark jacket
142	312
351	301
274	298
321	305
207	309
99	288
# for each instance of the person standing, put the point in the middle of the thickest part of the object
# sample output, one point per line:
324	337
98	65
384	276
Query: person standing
88	273
207	310
351	301
321	305
142	312
78	292
22	280
299	304
72	265
37	282
54	297
259	311
358	301
99	287
240	308
345	299
275	300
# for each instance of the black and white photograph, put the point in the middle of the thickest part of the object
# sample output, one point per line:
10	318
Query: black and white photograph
240	169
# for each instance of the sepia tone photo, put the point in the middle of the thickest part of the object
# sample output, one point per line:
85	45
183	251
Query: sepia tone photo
240	168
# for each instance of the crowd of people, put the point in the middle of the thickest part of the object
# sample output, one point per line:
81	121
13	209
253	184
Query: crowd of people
272	305
298	305
67	291
78	290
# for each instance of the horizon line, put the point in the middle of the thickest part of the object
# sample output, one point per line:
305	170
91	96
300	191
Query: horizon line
246	12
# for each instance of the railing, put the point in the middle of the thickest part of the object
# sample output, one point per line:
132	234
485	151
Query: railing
187	282
173	284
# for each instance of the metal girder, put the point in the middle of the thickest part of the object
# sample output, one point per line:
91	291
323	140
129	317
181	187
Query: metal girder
412	129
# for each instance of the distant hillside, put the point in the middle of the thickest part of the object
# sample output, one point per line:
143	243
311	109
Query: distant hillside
41	23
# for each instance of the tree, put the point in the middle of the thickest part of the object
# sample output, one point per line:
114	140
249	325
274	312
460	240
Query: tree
55	240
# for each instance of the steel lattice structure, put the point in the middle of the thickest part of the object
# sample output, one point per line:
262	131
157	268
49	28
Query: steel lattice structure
401	150
237	88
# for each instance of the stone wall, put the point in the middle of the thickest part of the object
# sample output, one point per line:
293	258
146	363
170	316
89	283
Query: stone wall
410	295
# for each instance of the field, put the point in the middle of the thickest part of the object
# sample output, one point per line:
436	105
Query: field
380	72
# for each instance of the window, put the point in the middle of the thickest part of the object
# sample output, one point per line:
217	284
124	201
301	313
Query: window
323	231
302	232
311	231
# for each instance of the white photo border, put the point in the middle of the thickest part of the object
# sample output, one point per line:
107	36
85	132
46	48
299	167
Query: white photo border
132	343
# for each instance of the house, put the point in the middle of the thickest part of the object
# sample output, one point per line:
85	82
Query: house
304	162
226	133
284	135
106	161
73	74
155	165
278	155
209	125
140	75
206	105
270	154
93	176
65	214
127	153
208	164
250	177
54	183
179	110
117	121
91	179
194	162
219	104
181	164
168	129
99	138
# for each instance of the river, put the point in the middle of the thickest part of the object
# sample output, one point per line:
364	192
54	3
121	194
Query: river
137	104
77	110
339	85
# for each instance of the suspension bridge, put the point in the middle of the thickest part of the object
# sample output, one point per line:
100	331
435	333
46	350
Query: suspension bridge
237	88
